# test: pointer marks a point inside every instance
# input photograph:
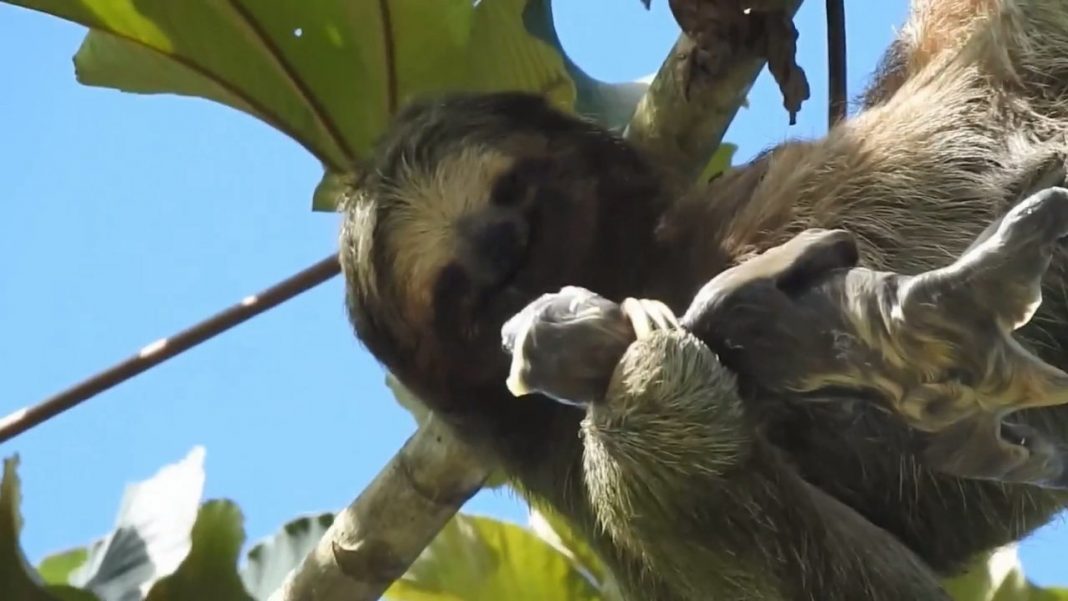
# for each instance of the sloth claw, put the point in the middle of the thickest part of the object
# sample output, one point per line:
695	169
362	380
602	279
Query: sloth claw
1043	215
985	448
647	316
974	305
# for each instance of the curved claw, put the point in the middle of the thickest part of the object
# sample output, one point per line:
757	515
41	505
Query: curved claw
647	316
985	448
1000	277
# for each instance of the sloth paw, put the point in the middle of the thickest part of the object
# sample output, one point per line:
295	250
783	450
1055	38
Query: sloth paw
972	307
647	316
565	345
999	277
986	448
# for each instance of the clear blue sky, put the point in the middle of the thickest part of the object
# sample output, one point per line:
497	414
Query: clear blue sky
126	218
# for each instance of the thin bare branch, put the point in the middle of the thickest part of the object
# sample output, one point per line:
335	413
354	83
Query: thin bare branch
161	350
837	92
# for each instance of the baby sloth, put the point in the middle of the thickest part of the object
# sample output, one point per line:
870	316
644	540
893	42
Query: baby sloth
935	348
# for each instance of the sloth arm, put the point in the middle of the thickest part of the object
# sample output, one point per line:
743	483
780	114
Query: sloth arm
678	475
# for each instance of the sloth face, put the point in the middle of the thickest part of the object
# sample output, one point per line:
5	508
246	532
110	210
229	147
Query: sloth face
476	206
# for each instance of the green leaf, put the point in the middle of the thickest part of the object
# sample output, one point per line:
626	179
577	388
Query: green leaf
503	55
18	580
151	535
999	577
477	558
332	189
271	560
328	73
494	52
15	571
720	161
611	104
552	528
57	568
209	571
1048	594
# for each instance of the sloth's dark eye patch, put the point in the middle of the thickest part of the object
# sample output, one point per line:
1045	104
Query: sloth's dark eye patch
493	249
452	287
513	188
509	189
500	246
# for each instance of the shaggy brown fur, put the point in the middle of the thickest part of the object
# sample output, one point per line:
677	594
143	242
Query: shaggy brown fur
667	435
676	470
915	178
973	96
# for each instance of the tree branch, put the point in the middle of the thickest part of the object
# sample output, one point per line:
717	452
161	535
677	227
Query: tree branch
375	539
159	351
682	117
837	93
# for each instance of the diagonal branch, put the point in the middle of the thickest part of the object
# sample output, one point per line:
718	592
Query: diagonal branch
682	118
374	540
165	348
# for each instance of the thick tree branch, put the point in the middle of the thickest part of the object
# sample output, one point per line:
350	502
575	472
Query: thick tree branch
373	541
683	116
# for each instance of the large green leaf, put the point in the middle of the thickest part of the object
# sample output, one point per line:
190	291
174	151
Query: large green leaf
481	559
612	104
999	577
720	161
328	73
271	560
209	571
152	532
57	568
552	528
18	580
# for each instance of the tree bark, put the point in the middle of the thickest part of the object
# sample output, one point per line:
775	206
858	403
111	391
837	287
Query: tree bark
374	540
683	116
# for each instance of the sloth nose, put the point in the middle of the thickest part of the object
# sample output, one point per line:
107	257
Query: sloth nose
501	244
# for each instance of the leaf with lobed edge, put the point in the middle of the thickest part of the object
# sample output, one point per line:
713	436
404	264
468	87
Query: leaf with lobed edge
482	558
209	570
999	576
611	104
271	559
328	74
57	568
152	533
18	579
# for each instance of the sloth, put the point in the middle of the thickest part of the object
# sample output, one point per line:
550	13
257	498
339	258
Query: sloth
651	388
802	317
476	204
